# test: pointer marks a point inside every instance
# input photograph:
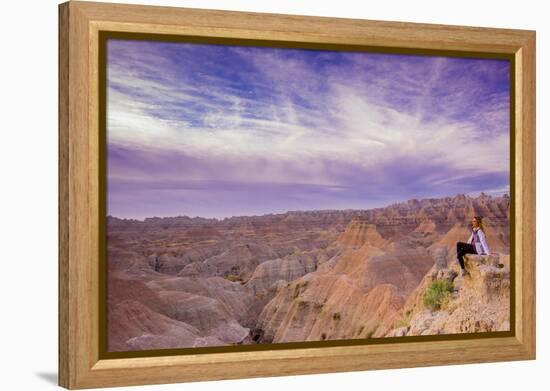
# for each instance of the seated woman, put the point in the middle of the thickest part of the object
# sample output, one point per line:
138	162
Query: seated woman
476	243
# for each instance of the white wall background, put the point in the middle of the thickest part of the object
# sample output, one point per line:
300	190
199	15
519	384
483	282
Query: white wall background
28	196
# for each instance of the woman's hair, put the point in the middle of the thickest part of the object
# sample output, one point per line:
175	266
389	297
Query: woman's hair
479	220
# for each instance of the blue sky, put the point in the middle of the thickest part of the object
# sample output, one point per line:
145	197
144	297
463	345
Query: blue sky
218	131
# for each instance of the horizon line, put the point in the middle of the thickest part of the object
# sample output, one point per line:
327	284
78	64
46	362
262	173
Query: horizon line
467	195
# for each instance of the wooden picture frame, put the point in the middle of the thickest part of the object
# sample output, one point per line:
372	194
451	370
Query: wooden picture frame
81	364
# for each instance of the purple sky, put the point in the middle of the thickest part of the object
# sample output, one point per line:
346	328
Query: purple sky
216	131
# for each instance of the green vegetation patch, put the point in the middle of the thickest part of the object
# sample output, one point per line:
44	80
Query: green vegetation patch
438	292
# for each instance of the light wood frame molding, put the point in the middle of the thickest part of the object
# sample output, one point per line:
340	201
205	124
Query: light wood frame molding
80	365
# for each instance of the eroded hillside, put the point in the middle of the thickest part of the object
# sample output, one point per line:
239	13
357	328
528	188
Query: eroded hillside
300	276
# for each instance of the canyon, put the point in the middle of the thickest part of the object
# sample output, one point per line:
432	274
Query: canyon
317	275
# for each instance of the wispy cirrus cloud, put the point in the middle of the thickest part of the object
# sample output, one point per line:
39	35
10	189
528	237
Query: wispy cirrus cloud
217	130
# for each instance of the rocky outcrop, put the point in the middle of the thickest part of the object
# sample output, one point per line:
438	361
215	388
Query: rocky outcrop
478	302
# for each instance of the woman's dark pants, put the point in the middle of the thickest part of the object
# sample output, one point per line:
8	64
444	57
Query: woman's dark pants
463	249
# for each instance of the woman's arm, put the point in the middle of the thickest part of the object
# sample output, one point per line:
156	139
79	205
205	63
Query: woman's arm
470	239
483	242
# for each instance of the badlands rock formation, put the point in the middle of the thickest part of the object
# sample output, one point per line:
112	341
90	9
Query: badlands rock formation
304	275
479	302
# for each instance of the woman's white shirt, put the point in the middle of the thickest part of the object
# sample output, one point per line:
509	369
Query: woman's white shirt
481	245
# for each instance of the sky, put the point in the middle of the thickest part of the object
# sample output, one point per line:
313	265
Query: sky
218	131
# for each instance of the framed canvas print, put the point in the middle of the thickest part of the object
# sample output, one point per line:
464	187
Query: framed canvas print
247	195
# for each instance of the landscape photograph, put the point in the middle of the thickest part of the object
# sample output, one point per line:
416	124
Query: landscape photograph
264	195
